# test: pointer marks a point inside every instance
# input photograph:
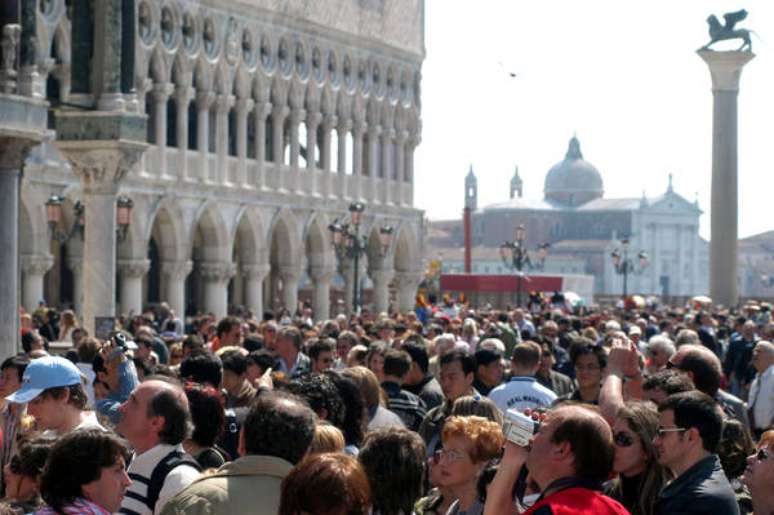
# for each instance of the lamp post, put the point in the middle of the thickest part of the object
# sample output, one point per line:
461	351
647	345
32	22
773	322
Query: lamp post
516	257
351	245
623	265
124	206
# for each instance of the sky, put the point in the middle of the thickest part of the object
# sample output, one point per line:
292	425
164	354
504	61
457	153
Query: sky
623	76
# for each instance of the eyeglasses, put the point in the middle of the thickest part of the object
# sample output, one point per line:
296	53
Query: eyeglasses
622	439
450	456
661	431
587	368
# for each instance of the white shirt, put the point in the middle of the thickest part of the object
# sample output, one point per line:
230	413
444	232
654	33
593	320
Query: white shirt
520	393
142	465
761	398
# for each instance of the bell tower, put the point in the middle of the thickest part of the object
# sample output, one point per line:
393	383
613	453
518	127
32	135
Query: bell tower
516	183
471	190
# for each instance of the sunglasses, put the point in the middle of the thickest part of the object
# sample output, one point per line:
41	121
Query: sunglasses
762	455
622	439
661	431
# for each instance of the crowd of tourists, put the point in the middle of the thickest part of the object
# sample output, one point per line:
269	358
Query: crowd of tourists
444	410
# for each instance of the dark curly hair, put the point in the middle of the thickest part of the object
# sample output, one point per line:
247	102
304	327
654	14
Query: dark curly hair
77	459
281	425
320	393
355	411
207	413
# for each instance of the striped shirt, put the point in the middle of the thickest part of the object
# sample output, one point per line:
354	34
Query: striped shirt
140	471
410	408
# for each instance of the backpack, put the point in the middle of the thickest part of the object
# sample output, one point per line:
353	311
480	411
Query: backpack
167	464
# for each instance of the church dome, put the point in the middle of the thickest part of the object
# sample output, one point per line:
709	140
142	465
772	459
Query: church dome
573	181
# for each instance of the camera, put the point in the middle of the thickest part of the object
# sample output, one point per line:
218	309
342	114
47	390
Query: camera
519	428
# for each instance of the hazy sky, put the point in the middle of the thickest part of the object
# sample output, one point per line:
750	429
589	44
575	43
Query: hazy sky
623	75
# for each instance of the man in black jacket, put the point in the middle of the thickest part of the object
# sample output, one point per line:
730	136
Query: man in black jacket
686	441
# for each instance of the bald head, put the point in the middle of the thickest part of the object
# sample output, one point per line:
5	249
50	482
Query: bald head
763	356
702	365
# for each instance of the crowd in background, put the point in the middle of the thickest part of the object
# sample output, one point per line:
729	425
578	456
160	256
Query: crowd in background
657	410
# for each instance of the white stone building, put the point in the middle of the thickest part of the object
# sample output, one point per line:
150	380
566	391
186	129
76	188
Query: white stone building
265	120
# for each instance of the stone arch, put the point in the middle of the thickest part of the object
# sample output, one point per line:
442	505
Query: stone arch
158	69
165	225
211	236
181	75
251	258
285	256
317	243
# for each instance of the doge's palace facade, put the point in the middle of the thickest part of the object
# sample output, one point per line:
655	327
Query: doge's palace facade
265	119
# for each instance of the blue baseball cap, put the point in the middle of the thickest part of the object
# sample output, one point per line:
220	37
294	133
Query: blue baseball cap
44	373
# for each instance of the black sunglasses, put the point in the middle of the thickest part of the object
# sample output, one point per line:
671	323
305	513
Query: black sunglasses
762	455
622	439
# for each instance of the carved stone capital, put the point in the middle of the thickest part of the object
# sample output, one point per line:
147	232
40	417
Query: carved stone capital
176	270
344	125
217	271
313	119
244	105
75	264
725	68
381	277
183	95
289	273
101	165
255	272
161	92
321	274
224	103
280	112
408	280
296	116
35	264
329	122
133	268
13	152
204	99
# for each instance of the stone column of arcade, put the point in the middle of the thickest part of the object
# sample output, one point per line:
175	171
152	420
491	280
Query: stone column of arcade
175	273
132	272
725	70
216	276
23	126
254	276
290	276
34	268
321	277
381	280
407	284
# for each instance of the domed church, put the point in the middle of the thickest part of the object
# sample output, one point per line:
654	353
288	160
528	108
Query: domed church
583	226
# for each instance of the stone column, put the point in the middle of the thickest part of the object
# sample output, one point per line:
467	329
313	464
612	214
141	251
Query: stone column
388	136
408	170
243	107
278	115
204	100
358	131
254	276
321	277
132	272
161	93
107	55
216	276
262	111
312	123
175	274
381	294
223	105
34	268
407	284
290	276
342	129
296	116
183	97
328	122
374	133
400	162
101	165
725	70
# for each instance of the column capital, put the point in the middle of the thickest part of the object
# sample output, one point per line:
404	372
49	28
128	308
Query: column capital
289	273
344	125
725	67
402	136
204	99
329	121
134	268
102	165
255	272
263	109
381	276
36	264
75	264
177	270
408	279
321	274
297	115
374	130
244	105
280	111
14	151
162	91
314	118
218	271
224	103
183	95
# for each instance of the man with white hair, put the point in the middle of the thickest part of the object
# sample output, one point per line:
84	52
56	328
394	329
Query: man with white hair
442	344
762	388
658	351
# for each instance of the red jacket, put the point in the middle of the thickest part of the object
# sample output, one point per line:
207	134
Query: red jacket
576	500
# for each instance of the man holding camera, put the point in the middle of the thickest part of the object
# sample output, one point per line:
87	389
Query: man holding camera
570	456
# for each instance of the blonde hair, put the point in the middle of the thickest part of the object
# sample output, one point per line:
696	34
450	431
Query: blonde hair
485	437
327	438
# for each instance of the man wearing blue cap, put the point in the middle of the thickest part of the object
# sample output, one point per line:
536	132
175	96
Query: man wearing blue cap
53	389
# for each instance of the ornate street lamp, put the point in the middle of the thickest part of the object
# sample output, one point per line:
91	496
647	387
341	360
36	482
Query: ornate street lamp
623	265
124	206
516	257
350	245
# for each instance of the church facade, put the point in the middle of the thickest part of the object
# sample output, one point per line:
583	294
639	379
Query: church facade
584	229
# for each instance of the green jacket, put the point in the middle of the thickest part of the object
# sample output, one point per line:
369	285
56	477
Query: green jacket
249	484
